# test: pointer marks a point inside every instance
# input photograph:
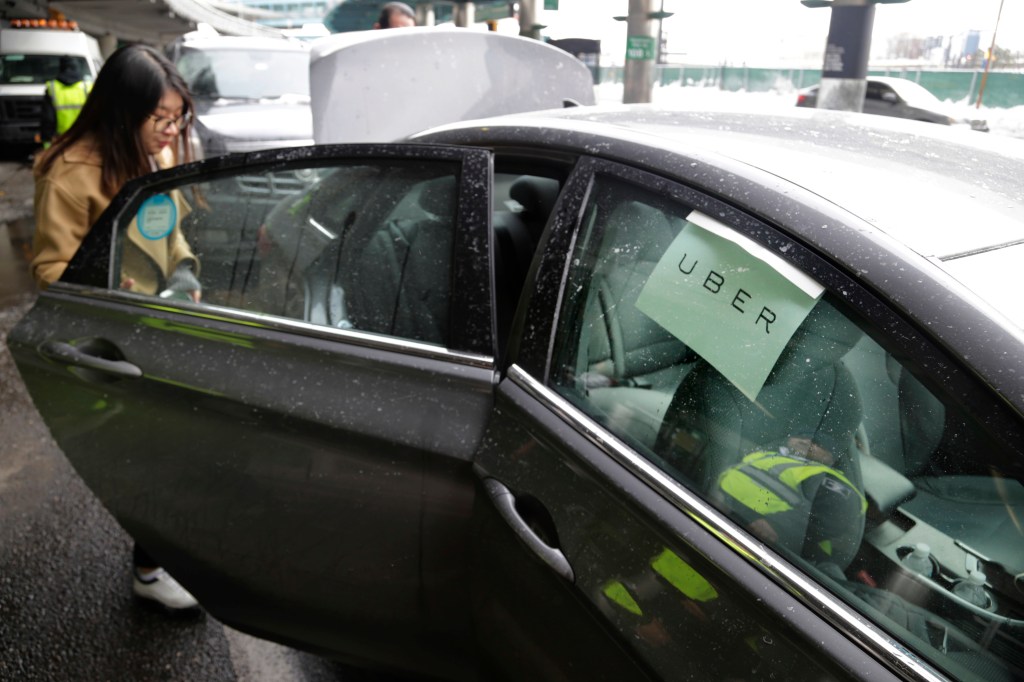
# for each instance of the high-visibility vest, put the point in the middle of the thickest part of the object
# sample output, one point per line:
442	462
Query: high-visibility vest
783	489
67	101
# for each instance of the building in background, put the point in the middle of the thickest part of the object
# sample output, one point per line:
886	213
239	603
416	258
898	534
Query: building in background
286	14
964	48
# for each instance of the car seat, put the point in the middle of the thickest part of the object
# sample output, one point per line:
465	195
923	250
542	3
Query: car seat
632	363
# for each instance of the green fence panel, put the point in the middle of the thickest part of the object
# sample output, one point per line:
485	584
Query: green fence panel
1002	89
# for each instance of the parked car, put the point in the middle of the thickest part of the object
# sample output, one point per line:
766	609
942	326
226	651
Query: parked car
250	93
887	96
582	394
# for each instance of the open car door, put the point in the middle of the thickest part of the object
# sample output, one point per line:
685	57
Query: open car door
295	448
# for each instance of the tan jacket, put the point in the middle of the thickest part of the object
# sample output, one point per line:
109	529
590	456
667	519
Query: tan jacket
69	200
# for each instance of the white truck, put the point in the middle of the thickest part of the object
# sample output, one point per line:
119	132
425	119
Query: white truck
29	56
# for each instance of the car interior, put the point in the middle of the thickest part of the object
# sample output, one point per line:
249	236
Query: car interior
521	207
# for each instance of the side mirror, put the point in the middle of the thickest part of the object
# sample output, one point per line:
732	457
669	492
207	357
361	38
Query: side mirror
890	97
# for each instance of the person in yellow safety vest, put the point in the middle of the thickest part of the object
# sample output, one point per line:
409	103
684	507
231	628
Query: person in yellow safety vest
63	100
794	498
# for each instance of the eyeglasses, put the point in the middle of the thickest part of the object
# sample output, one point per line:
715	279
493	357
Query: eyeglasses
162	124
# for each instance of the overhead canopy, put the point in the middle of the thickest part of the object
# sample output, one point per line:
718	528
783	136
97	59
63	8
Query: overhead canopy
153	21
359	15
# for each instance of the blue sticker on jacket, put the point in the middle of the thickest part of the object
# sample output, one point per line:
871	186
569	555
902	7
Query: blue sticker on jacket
157	217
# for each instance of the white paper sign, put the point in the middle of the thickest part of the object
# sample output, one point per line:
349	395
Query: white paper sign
729	299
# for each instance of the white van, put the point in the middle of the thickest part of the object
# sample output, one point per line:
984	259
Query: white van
30	56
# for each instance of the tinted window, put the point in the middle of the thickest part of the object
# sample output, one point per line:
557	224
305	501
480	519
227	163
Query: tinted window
748	382
363	246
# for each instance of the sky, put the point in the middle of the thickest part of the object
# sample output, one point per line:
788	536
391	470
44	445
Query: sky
767	31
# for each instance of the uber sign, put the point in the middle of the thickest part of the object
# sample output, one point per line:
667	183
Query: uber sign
728	299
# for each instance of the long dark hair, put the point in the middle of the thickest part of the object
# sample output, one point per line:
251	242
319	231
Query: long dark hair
127	90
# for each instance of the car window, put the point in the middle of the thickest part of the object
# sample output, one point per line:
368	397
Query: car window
875	90
748	382
245	74
365	245
35	68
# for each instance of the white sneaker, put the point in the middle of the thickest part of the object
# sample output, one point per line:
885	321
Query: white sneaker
162	588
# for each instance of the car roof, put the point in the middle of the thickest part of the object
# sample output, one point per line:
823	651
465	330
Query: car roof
878	169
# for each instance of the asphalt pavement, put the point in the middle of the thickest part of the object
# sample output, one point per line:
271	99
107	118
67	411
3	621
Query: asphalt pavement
66	609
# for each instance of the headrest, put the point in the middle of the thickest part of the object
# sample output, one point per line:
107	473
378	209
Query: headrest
825	336
536	195
638	231
438	197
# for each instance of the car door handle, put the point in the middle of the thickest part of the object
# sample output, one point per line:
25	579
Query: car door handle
505	502
67	354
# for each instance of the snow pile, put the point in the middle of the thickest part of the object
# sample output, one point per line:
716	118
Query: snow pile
1001	121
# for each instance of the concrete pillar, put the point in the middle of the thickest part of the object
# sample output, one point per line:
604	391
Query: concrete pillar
108	44
464	14
843	74
529	26
425	15
641	49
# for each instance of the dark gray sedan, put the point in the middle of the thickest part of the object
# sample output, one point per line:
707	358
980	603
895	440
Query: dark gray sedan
577	395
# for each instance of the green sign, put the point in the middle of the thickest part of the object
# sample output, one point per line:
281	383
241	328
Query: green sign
640	48
492	12
729	299
550	4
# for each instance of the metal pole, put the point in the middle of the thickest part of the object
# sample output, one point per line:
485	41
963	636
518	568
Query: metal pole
425	15
843	76
638	74
659	57
991	54
464	14
528	24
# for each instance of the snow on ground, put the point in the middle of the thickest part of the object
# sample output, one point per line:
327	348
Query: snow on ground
1001	121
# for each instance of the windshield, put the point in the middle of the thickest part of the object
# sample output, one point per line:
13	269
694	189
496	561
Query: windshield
246	74
34	68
